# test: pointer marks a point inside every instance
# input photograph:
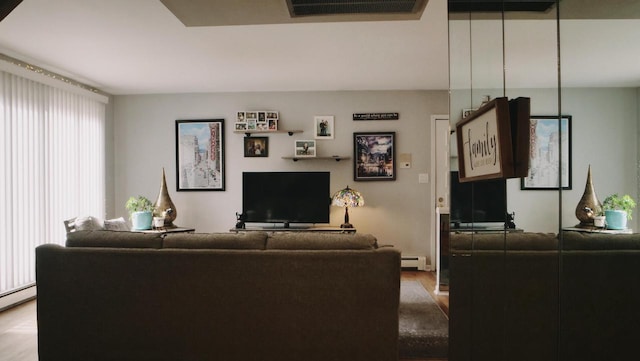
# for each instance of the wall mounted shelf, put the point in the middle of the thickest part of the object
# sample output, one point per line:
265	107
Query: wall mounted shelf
249	132
337	158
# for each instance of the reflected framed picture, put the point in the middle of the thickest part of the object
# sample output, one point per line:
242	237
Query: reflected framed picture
200	155
256	147
374	156
549	154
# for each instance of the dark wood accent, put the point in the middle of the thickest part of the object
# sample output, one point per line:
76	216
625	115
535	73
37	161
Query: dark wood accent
7	6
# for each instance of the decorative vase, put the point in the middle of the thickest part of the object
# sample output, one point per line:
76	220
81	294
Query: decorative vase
164	206
616	219
141	220
589	204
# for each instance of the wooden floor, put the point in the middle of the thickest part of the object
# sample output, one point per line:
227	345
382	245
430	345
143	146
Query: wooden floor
428	280
19	333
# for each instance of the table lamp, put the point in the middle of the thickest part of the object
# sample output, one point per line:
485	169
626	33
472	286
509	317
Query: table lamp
347	198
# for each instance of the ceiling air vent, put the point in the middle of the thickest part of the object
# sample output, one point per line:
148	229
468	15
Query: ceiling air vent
338	7
499	5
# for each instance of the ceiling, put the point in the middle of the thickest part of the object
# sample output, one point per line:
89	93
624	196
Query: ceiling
144	46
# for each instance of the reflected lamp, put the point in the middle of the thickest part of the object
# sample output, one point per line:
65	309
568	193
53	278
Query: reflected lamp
346	198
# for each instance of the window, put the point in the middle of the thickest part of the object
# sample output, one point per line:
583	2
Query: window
52	167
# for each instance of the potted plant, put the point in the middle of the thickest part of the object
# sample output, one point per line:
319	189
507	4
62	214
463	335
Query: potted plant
140	211
618	210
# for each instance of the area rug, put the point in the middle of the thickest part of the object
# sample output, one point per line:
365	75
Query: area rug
424	328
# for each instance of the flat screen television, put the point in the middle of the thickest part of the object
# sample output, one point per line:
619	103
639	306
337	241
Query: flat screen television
286	197
482	201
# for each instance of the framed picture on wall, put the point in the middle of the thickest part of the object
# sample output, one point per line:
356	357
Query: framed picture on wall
256	146
323	126
200	155
374	156
305	148
547	164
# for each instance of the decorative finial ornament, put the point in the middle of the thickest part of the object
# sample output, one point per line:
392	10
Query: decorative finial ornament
164	205
589	205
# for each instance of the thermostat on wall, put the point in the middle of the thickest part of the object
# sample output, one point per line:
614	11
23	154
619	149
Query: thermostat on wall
405	160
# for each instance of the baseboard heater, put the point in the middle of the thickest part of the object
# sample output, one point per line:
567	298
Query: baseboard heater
414	263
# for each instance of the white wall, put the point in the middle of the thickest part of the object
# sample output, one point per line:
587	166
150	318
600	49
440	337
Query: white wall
396	212
604	135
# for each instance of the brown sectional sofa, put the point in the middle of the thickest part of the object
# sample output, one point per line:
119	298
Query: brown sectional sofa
222	296
518	297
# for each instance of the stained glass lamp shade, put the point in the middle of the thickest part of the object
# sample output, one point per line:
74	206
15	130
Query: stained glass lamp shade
347	198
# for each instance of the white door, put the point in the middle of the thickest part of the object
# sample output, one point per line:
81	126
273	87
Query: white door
440	138
442	156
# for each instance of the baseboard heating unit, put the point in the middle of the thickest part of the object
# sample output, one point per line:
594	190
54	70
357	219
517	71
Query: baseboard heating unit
414	263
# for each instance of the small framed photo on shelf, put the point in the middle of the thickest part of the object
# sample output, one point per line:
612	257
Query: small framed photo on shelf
323	126
271	118
257	120
272	124
256	147
251	116
305	148
241	126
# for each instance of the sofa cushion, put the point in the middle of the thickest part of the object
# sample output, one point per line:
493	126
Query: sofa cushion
320	241
114	239
87	223
247	240
600	241
116	224
515	241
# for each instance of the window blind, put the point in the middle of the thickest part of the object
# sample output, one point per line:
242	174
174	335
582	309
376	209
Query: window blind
52	167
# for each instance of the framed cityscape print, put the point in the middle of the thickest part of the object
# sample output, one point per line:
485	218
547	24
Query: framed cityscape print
200	155
549	134
374	156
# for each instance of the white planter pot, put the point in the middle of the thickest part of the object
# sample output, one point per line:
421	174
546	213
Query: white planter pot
599	221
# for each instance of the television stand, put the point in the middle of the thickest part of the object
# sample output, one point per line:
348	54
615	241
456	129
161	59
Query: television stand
284	229
486	230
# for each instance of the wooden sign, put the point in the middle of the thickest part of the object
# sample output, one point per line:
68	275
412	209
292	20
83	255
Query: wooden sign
487	141
376	116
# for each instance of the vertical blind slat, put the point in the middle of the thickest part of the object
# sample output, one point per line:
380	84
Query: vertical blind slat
52	168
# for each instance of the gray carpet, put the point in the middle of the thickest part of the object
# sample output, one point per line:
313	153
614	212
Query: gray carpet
424	328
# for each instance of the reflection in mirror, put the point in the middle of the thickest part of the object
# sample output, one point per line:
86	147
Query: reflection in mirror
600	79
538	294
510	54
600	83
